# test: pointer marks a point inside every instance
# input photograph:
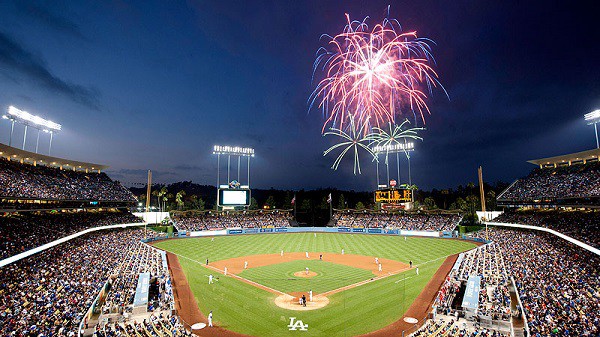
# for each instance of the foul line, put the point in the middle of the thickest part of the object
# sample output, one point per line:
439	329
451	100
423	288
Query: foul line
327	293
258	285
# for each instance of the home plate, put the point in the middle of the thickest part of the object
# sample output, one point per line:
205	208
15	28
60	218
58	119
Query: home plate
411	320
198	326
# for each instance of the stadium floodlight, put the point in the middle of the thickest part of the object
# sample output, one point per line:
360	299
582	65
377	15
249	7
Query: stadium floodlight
233	150
26	118
393	148
593	118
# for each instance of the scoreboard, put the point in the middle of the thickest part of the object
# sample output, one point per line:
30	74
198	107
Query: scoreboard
393	196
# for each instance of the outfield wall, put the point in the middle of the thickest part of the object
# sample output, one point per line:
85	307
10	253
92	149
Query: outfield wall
237	231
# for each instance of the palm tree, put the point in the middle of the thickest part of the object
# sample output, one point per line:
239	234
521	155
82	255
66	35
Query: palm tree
179	199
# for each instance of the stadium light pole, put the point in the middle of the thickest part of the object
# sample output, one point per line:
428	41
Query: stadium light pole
594	118
27	119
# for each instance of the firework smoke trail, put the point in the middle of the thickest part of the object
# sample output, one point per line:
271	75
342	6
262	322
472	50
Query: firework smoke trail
373	75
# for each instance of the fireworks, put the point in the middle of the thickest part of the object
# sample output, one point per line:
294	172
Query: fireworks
352	139
373	75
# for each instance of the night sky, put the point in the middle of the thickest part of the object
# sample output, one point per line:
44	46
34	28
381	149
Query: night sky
151	85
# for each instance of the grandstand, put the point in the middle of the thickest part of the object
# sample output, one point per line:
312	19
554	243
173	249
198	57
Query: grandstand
571	180
417	221
64	265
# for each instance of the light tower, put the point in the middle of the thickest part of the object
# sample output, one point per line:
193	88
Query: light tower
29	120
593	118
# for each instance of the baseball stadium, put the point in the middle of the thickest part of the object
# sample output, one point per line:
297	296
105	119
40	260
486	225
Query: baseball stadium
92	247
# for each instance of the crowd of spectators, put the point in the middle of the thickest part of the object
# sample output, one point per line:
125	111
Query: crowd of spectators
22	231
452	328
123	281
196	221
494	298
403	221
573	181
581	225
557	282
43	182
156	325
49	293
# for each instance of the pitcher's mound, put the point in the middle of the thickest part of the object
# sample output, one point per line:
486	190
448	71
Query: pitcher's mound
304	274
291	302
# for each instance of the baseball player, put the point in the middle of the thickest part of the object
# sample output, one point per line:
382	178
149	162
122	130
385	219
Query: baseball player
210	279
376	260
210	318
410	262
417	270
245	264
307	255
303	300
282	252
380	267
342	251
310	295
306	270
225	271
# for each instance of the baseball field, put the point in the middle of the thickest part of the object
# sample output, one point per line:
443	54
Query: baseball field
261	291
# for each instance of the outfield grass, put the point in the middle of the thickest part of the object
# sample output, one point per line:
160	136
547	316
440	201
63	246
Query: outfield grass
246	309
330	276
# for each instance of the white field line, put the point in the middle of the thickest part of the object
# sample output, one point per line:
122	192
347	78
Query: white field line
258	285
331	292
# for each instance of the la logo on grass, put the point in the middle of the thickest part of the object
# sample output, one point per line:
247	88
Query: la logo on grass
298	325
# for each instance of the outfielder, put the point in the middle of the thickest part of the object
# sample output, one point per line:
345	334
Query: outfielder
210	279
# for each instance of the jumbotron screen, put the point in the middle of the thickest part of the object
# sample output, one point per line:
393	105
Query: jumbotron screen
234	197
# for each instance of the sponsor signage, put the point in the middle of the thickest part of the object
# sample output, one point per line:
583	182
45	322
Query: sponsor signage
281	229
358	230
393	196
235	231
343	229
266	230
471	298
375	230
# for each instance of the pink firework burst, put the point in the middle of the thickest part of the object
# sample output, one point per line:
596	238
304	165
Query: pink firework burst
374	75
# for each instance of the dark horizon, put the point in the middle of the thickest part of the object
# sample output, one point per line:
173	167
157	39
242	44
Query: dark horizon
149	85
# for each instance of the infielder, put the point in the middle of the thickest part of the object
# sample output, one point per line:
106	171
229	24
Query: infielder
342	251
210	318
417	270
307	255
380	267
310	295
282	252
376	260
225	271
210	279
245	264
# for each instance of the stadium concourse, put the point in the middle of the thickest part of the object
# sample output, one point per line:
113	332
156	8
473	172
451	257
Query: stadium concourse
89	281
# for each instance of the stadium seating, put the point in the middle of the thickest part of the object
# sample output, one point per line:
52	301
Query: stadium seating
574	181
196	221
49	183
581	225
404	221
49	293
557	282
22	231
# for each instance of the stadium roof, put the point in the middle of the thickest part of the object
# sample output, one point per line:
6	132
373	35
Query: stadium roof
12	153
568	159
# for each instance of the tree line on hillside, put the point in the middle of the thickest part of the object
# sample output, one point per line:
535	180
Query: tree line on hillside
187	195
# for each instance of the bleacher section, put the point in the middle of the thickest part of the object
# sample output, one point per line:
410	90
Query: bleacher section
403	221
210	220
